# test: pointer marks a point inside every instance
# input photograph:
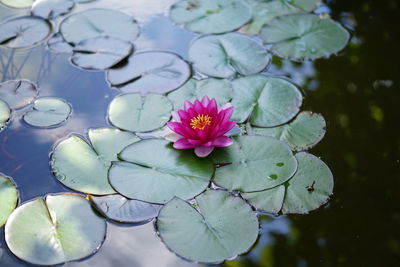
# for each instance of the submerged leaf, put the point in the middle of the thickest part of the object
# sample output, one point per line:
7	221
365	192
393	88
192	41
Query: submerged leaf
8	198
222	227
18	93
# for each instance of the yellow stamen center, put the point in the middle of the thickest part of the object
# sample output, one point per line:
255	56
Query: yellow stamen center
200	121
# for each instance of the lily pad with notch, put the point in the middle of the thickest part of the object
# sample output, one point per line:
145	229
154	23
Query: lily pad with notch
153	171
48	112
266	101
135	113
54	230
220	89
18	93
84	166
303	133
221	227
309	189
99	23
22	32
57	44
304	36
228	54
100	53
210	16
5	114
8	198
17	3
254	163
123	210
150	72
51	9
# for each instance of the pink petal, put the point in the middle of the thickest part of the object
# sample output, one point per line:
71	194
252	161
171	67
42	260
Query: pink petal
222	141
187	105
203	151
183	144
205	101
212	107
198	107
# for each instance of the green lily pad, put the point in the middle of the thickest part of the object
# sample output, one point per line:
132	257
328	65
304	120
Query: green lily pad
210	16
222	227
18	93
303	133
51	9
100	53
99	23
124	210
219	89
267	101
264	12
135	113
8	198
5	114
57	44
150	72
23	32
48	112
309	189
226	55
153	171
254	163
304	36
54	230
17	3
84	167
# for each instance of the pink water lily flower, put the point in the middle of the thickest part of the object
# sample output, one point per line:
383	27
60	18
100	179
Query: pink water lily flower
201	125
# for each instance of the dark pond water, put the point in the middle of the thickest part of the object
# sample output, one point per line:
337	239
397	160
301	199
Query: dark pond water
357	92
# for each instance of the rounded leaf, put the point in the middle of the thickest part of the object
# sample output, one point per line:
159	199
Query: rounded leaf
219	89
150	72
57	44
17	3
222	227
226	55
153	171
267	101
210	16
124	210
99	23
54	230
8	198
100	53
304	36
309	189
5	114
23	32
51	9
18	93
135	113
303	133
48	112
254	163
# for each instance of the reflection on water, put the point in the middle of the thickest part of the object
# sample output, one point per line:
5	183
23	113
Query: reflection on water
357	92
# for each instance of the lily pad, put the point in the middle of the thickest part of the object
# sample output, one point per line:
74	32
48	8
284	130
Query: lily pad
266	101
48	112
84	167
23	32
18	93
226	55
54	230
99	23
8	198
100	53
254	163
303	133
210	16
124	210
17	3
264	12
135	113
304	36
51	9
153	171
219	89
309	189
222	227
57	44
150	72
5	114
